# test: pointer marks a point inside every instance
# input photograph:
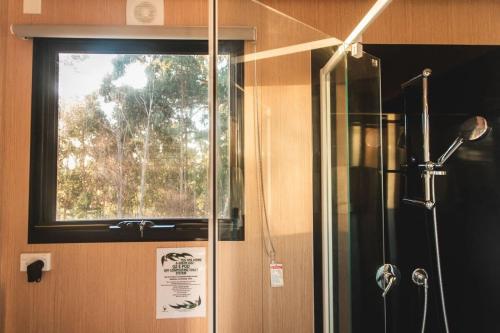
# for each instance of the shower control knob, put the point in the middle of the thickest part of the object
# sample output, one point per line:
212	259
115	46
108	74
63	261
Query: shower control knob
420	277
387	277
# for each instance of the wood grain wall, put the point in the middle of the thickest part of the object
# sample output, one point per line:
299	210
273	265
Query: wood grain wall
88	289
92	287
3	48
470	22
279	90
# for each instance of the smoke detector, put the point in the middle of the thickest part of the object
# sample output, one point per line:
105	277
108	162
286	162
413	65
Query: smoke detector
145	12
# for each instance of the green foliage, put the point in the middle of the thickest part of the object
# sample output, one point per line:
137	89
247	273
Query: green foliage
148	156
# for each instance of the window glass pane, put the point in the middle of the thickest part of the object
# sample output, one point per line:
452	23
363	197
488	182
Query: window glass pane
133	136
230	180
223	139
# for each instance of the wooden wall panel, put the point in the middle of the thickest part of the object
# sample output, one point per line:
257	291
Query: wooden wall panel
186	12
404	21
239	272
3	48
92	287
472	22
287	135
281	93
3	53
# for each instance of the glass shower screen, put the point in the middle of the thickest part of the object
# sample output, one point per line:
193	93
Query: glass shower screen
273	91
352	194
271	268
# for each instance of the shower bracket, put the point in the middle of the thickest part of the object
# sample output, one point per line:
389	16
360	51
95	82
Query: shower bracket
430	169
428	204
433	168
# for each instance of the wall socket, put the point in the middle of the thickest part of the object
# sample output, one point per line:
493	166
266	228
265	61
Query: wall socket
29	258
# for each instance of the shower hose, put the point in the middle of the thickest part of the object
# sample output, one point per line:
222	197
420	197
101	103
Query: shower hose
438	261
424	317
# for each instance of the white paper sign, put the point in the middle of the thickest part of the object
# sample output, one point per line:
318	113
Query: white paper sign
276	275
180	282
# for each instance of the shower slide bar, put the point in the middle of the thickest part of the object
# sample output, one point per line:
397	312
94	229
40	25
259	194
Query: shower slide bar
473	129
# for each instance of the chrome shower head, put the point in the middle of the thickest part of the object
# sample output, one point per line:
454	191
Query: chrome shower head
472	129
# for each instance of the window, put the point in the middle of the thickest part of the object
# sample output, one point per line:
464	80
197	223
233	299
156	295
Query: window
120	145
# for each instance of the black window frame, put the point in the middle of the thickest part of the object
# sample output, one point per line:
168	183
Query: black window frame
43	227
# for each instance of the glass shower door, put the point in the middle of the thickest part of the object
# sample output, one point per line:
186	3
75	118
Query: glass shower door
352	196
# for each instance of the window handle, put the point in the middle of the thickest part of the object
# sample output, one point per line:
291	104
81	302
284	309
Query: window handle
142	224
